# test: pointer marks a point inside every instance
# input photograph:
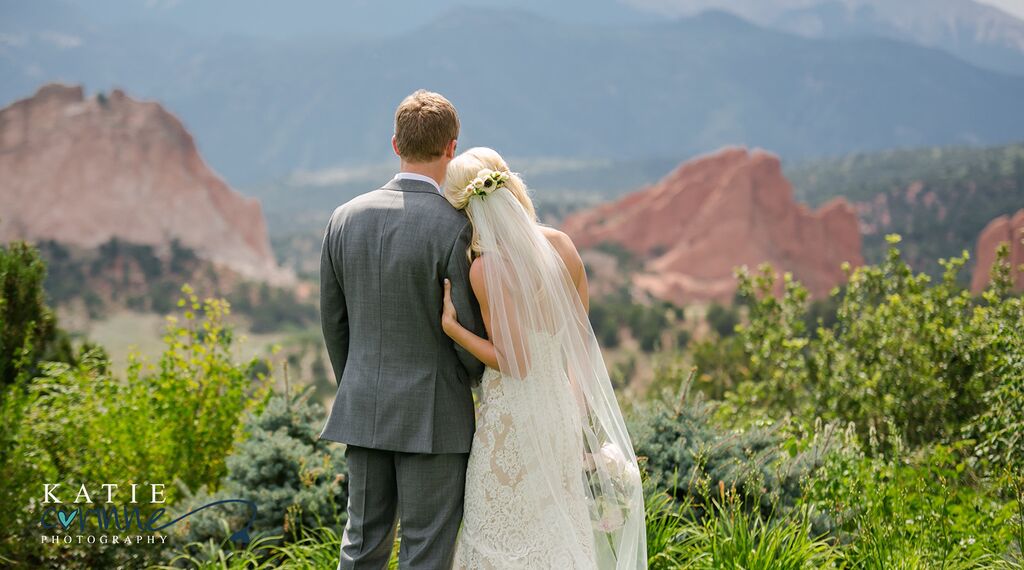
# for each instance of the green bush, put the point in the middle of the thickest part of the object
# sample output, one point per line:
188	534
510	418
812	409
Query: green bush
904	354
647	323
915	510
296	480
723	320
173	422
271	308
690	458
28	328
999	428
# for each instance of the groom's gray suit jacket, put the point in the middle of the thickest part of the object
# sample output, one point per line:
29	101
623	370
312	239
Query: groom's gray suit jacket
403	385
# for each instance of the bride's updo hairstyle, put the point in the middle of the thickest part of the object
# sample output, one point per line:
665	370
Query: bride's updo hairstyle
482	165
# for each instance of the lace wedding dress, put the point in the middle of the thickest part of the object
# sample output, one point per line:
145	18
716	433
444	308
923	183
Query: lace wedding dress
512	519
552	481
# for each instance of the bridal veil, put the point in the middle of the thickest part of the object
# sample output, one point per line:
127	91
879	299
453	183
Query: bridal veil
533	303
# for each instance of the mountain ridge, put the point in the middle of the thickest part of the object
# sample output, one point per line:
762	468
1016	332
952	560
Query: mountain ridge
128	170
261	111
729	208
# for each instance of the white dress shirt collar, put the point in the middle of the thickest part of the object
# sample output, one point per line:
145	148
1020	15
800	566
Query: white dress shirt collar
420	177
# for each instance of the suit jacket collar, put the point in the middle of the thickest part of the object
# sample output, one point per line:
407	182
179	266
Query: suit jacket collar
411	185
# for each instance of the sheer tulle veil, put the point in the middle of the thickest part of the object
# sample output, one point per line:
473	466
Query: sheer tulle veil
533	302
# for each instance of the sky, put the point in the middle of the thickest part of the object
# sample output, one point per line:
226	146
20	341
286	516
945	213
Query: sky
1015	7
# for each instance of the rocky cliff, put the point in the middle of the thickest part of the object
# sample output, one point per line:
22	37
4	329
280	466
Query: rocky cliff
730	208
83	170
1004	229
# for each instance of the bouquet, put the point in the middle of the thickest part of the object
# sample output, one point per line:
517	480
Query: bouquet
614	483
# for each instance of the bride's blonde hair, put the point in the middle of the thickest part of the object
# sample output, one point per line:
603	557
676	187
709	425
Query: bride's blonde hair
467	167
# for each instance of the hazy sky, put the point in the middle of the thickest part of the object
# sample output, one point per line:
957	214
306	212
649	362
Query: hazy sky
1015	7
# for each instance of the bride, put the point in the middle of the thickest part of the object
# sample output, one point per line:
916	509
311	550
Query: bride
552	480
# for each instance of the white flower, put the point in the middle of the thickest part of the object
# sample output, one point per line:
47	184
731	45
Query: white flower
614	461
612	519
618	496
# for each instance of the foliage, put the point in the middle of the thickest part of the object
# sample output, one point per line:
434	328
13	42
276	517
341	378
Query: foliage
723	320
905	354
28	336
999	428
939	199
176	421
295	479
271	308
735	538
730	537
667	522
720	362
23	465
316	549
28	328
928	380
135	276
688	457
647	323
774	340
919	510
173	421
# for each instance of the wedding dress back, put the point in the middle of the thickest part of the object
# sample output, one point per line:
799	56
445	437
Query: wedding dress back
560	486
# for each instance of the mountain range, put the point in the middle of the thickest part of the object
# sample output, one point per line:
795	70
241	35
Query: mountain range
938	199
263	107
973	31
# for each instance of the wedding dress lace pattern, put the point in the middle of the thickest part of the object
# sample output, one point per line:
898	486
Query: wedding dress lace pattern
512	519
552	480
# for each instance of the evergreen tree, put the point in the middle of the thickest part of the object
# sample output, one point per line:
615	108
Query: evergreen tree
295	480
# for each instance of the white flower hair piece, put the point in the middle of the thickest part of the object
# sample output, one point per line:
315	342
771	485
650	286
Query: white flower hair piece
487	181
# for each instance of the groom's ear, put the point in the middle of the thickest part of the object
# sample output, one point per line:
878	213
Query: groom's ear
394	144
450	151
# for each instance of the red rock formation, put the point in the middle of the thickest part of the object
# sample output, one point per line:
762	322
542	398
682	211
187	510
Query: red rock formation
715	213
1004	229
81	171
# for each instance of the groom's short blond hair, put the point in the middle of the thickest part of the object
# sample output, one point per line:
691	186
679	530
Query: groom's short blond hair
425	122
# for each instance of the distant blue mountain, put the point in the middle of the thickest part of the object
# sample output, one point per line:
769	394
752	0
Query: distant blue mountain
975	32
528	85
314	18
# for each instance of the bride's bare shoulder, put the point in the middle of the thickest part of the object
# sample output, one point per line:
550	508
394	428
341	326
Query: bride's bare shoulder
476	276
557	237
564	246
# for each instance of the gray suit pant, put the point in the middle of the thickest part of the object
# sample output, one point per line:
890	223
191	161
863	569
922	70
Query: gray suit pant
424	490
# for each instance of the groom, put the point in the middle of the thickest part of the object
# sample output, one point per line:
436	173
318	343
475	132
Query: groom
404	405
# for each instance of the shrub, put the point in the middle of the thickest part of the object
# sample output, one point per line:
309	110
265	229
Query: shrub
920	510
905	354
723	320
647	323
999	428
27	325
688	456
296	480
176	421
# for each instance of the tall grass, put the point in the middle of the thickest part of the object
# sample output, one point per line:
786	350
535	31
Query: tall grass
729	536
315	549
